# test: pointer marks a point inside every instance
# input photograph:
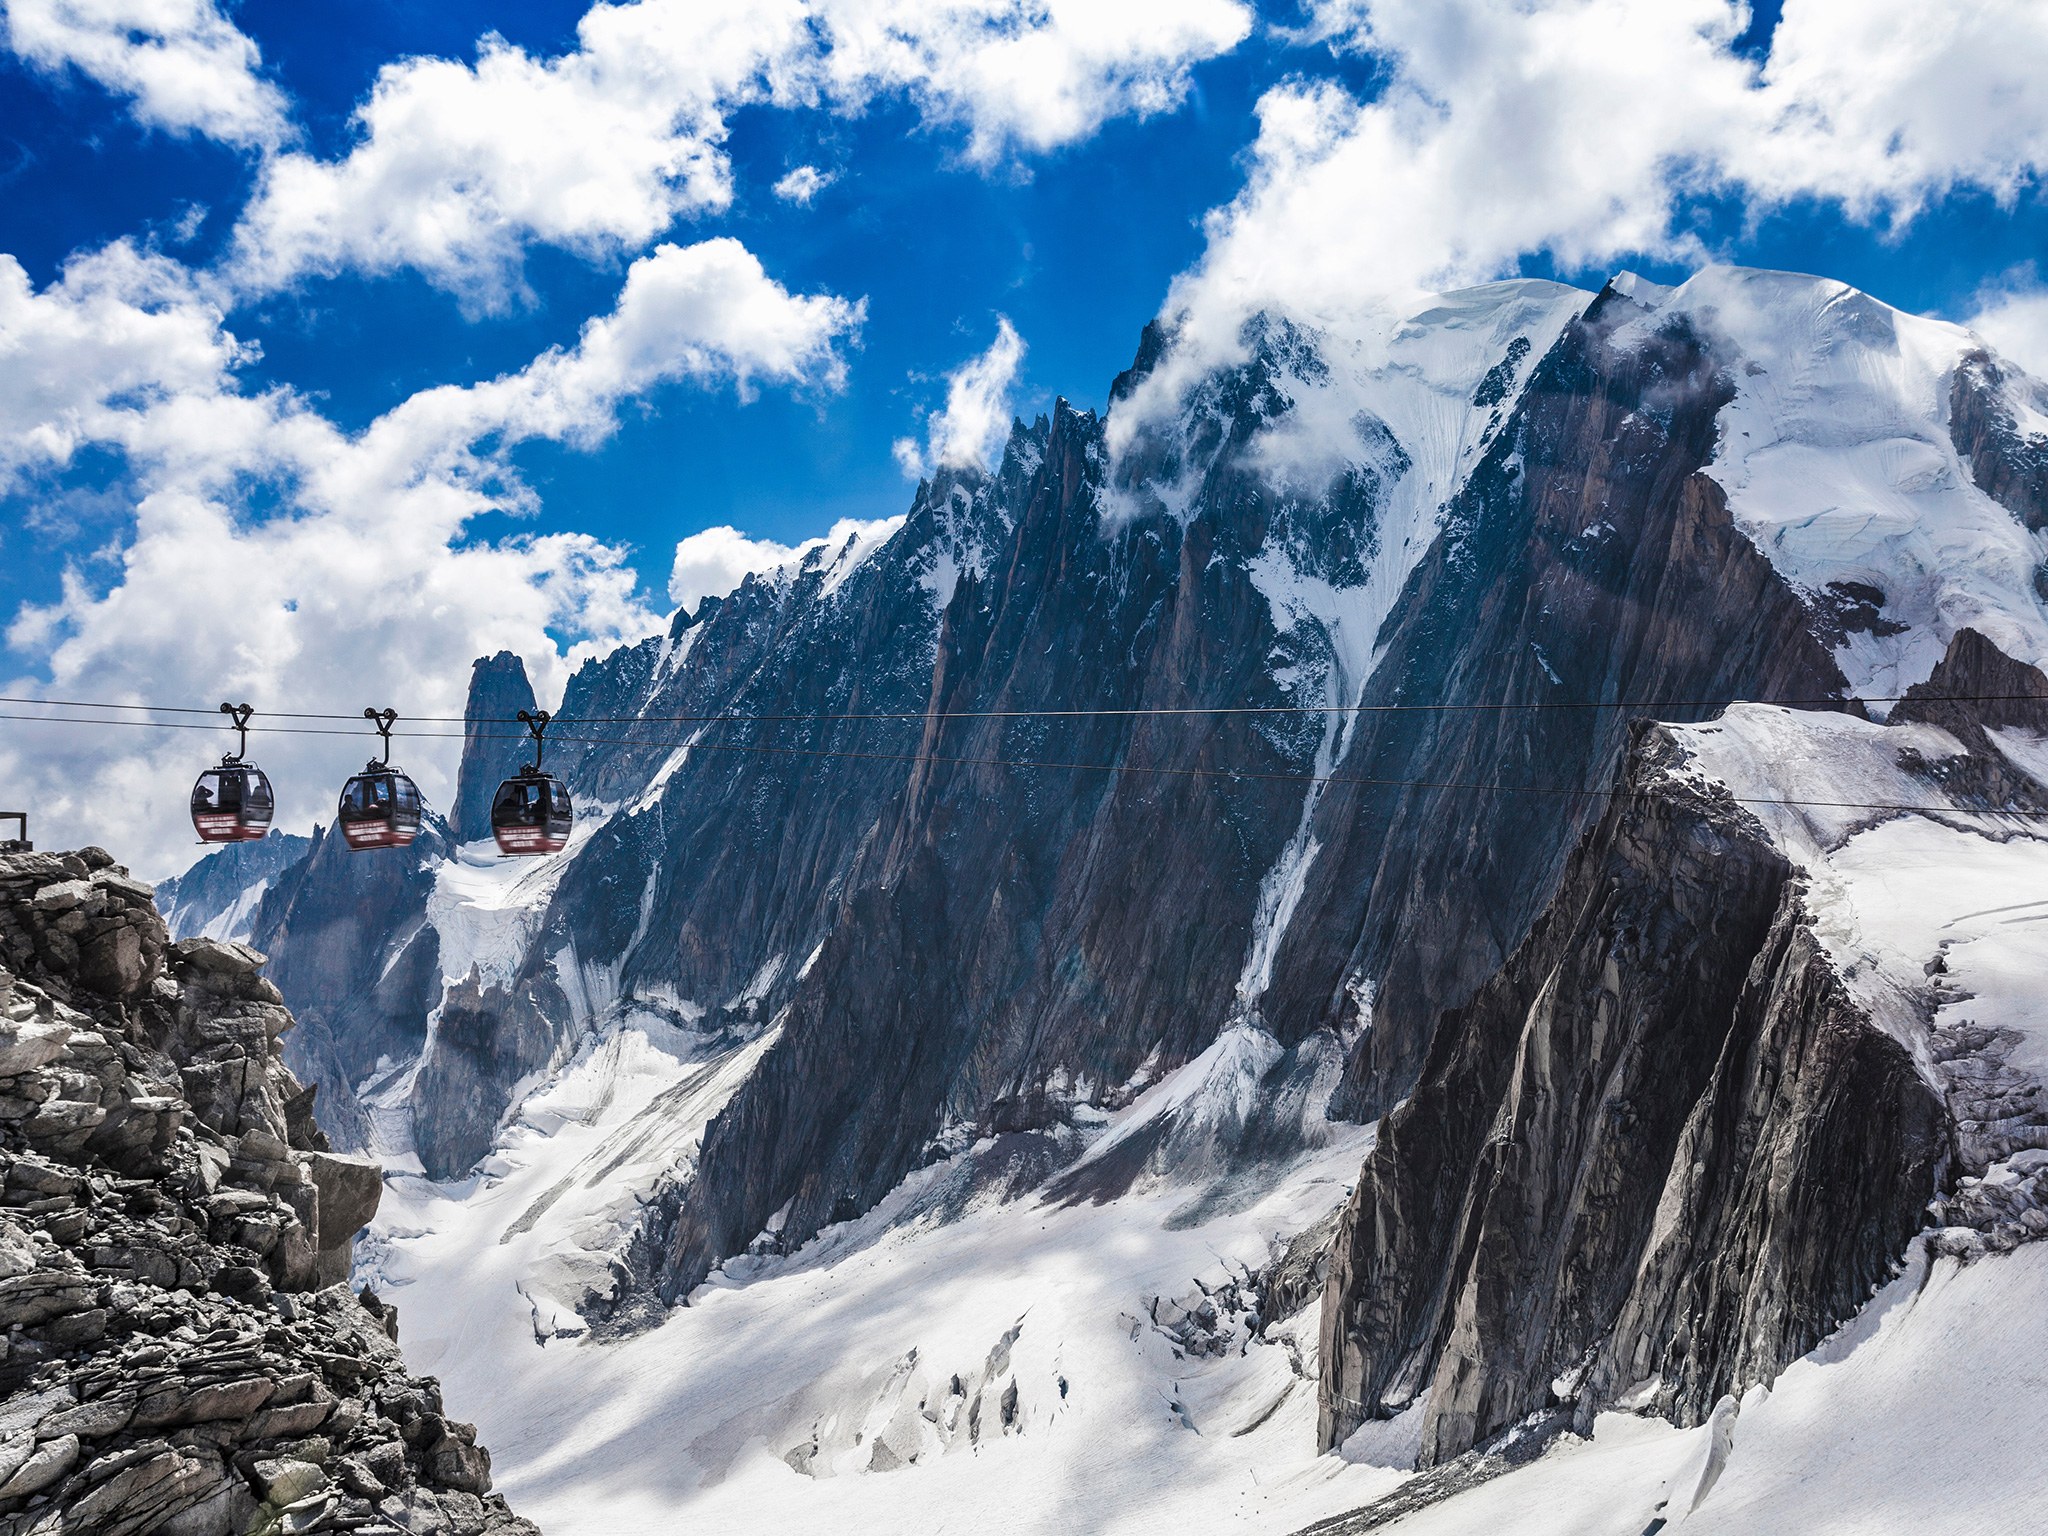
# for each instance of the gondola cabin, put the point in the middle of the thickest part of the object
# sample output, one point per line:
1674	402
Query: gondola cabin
380	808
532	813
232	804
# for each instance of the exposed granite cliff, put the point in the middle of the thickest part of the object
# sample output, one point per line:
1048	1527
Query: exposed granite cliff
2009	465
182	1353
1661	1146
493	742
356	962
1669	1148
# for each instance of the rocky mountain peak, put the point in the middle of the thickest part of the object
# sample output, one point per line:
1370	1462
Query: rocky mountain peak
493	746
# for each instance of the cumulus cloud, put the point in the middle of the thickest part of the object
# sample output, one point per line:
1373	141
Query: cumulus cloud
457	167
120	325
2014	319
976	418
183	65
1580	129
714	562
802	183
1025	74
366	577
706	312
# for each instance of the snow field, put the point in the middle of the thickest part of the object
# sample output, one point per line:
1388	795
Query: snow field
1924	1416
1019	1368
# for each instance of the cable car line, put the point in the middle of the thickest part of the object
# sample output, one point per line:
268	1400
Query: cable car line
1135	711
1157	770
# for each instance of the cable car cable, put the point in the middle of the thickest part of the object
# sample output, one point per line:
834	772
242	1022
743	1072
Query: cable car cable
1253	774
1135	711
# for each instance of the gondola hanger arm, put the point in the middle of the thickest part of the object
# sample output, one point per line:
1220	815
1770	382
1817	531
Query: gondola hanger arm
239	714
536	723
382	719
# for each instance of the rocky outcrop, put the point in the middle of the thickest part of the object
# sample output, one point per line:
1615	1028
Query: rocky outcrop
1658	1156
2008	464
1977	688
494	744
486	1039
181	1353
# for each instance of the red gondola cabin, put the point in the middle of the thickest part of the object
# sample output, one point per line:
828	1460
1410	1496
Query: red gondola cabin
232	804
532	813
380	808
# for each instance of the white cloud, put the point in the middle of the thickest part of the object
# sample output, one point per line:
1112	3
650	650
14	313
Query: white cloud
2014	319
368	579
714	562
120	325
802	183
182	63
1028	75
976	419
457	167
1577	129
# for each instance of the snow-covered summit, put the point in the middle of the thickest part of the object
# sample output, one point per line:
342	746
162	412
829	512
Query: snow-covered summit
1840	457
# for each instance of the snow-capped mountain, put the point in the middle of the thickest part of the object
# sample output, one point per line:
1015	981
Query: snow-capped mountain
217	897
867	986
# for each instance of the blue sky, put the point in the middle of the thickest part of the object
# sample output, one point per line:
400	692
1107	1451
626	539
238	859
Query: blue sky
1077	247
1072	166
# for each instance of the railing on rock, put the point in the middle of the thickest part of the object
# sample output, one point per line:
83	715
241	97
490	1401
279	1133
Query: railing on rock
19	844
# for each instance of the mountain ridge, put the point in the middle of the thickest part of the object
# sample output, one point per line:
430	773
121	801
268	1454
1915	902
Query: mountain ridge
886	950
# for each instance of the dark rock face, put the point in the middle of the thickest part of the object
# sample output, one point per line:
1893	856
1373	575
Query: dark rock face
1974	687
1661	1152
2008	465
1800	1177
217	888
493	743
1585	560
355	961
486	1040
964	971
171	1361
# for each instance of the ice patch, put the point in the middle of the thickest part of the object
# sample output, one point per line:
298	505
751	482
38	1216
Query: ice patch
486	908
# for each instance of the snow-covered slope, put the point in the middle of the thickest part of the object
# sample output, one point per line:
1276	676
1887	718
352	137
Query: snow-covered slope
1839	460
977	1351
1925	1414
867	1042
218	897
